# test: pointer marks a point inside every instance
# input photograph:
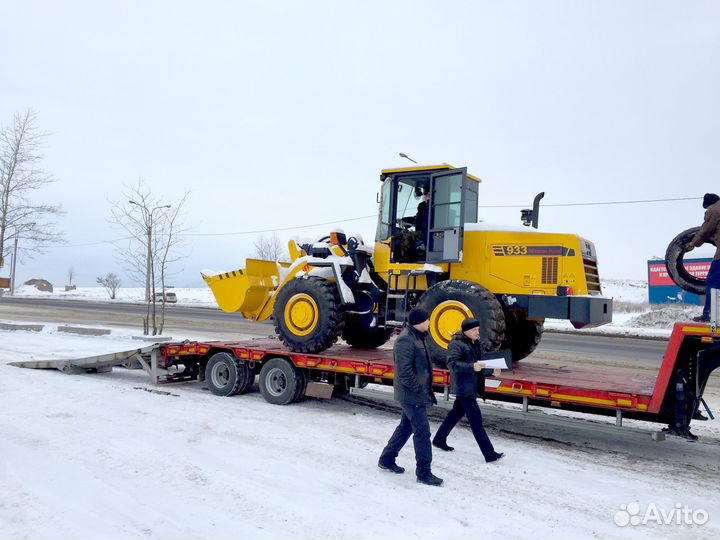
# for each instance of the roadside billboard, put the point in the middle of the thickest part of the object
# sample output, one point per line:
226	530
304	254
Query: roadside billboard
662	289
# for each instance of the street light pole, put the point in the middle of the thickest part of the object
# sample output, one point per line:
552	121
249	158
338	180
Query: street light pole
149	258
14	265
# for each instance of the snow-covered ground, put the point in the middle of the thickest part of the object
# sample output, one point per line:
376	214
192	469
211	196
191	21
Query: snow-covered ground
633	316
98	456
199	296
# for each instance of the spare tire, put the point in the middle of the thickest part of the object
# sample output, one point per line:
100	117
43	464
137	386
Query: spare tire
675	266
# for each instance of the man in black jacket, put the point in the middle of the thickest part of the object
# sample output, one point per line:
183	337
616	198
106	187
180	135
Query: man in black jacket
464	363
413	389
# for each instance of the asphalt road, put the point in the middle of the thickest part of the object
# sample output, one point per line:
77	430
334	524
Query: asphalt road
569	348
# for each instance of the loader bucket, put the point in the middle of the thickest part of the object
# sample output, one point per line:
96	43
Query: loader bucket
248	290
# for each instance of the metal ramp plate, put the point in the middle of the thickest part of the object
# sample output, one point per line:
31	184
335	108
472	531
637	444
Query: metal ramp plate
98	363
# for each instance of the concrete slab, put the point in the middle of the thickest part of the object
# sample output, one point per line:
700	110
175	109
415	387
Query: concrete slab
84	331
22	327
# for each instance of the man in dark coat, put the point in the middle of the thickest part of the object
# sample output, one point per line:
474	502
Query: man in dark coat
464	362
710	230
413	389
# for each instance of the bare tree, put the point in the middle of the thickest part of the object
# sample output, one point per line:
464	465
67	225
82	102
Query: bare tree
70	274
111	282
20	177
155	231
268	248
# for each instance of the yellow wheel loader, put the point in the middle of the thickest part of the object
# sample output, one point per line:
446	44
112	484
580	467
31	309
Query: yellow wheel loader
429	251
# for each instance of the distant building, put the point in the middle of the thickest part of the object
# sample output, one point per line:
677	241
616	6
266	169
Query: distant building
662	289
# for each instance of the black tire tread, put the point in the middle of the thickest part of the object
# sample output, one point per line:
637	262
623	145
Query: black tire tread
482	303
292	375
327	297
240	373
356	335
676	269
521	336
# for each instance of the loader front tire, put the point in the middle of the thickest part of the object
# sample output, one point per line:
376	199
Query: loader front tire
521	335
449	303
676	268
308	315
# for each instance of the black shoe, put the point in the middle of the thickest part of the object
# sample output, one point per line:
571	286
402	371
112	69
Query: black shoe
442	445
430	480
392	467
497	456
701	318
699	416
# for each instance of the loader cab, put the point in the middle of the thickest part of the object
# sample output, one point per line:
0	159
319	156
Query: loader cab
422	212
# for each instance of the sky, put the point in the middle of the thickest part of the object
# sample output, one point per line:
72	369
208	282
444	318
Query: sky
280	115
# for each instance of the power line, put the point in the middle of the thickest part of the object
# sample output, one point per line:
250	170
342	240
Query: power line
374	216
282	228
642	201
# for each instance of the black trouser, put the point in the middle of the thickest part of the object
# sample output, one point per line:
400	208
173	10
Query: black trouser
414	422
467	406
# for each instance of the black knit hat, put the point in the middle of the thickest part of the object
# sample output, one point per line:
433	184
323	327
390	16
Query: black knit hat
417	316
469	324
709	199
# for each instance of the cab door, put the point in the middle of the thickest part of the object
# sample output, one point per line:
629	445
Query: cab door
447	215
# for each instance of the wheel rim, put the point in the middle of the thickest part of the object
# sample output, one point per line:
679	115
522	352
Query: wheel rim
301	314
446	319
220	375
276	382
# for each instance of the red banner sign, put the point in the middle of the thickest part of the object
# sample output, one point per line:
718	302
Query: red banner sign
659	275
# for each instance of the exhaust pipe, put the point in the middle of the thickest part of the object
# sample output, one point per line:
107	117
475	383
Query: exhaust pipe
531	217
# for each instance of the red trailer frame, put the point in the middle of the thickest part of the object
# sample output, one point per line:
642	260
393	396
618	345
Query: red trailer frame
671	396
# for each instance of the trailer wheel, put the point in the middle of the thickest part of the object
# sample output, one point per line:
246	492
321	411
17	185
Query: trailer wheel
279	381
308	314
225	375
521	335
249	382
449	303
303	377
359	334
675	266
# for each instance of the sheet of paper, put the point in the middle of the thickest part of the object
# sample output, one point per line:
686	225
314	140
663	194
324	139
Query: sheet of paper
495	363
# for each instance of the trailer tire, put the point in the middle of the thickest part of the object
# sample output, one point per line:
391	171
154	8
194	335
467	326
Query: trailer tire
358	334
521	335
225	375
675	267
279	381
303	377
308	315
249	382
449	302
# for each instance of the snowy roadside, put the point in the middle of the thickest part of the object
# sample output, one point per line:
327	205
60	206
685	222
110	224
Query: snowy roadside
92	456
641	321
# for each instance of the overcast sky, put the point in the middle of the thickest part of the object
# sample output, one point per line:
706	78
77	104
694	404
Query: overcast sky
281	114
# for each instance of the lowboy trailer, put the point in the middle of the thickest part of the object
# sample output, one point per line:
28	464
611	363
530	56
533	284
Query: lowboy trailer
672	396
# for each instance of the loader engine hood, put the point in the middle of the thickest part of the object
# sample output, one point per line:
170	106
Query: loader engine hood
519	260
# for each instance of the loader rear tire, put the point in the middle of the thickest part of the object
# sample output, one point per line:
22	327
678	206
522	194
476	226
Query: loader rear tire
675	266
521	336
308	315
280	382
358	334
449	302
225	375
